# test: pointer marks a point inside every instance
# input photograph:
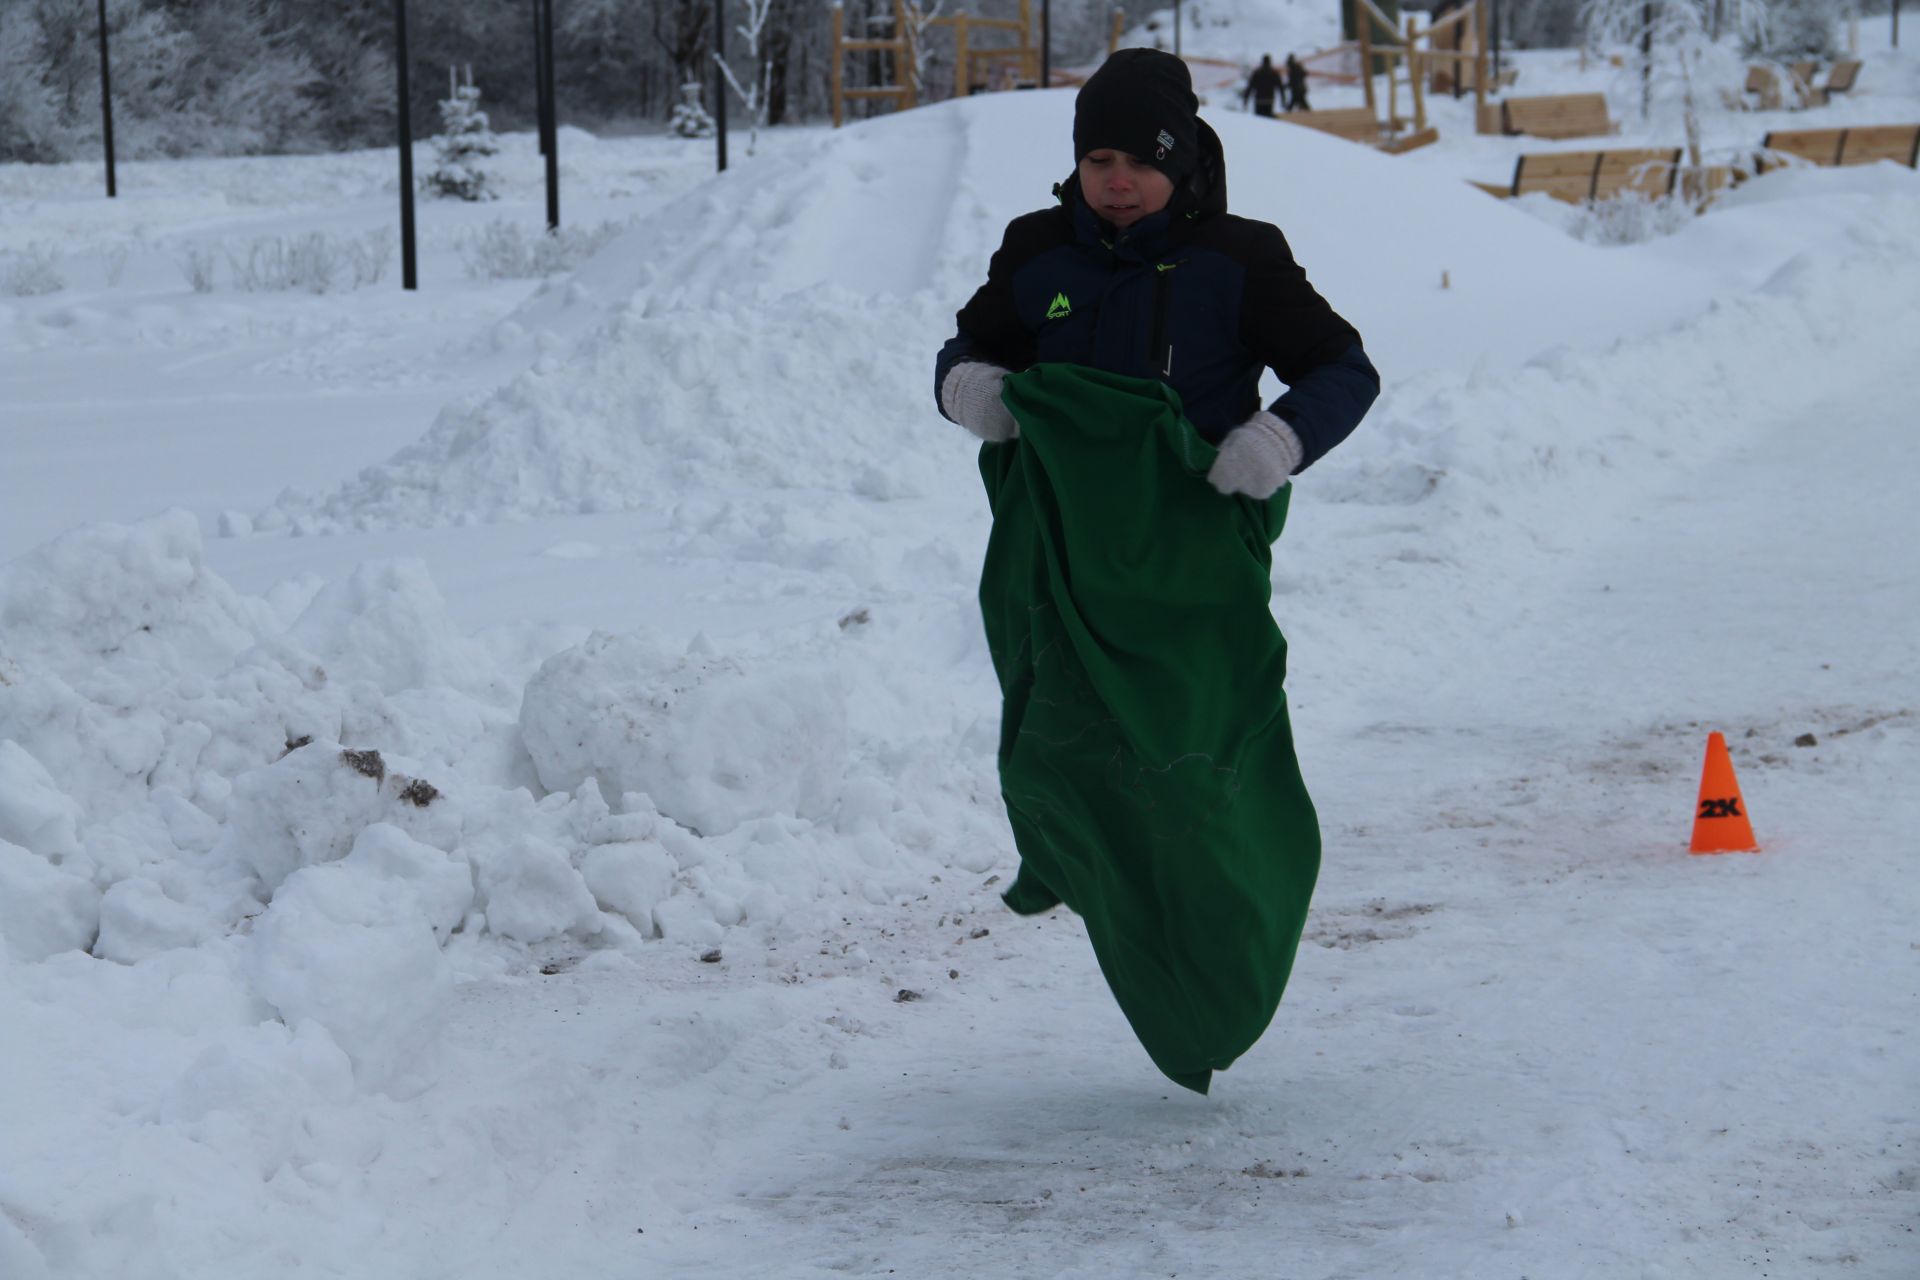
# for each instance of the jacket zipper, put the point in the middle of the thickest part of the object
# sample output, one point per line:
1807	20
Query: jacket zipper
1160	350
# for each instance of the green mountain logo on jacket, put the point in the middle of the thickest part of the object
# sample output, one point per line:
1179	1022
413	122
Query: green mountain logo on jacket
1060	309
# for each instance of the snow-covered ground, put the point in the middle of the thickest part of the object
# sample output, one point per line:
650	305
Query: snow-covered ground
498	781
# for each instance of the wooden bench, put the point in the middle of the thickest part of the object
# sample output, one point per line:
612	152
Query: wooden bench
1355	124
1773	89
1358	124
1899	143
1770	90
1817	146
1703	186
1405	142
1577	176
1569	115
1761	91
1841	78
1802	75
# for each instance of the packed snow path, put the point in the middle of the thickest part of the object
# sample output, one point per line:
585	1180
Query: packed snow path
1528	1034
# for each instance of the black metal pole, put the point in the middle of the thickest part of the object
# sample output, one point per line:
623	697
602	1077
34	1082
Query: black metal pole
552	114
409	277
1646	60
1046	43
1896	24
106	100
539	81
1176	28
720	82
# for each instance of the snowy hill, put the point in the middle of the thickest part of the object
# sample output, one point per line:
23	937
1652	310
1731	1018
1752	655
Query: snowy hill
562	836
1241	30
689	317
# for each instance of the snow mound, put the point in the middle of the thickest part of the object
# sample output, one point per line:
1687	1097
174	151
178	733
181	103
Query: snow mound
776	328
1799	182
324	803
379	999
146	601
44	910
712	742
658	403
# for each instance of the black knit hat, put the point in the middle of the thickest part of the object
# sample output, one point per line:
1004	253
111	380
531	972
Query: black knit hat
1140	101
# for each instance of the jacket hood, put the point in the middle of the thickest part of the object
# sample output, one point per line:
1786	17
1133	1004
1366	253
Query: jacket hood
1208	185
1201	195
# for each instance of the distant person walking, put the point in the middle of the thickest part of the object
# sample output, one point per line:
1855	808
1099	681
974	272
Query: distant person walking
1263	86
1296	85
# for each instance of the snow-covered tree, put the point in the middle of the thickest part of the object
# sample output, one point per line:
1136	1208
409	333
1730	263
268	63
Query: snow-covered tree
244	87
753	95
1800	29
920	16
31	125
349	43
690	118
222	77
681	33
463	142
50	78
1670	50
1540	24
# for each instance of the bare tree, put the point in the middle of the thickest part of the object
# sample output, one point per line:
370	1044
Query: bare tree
1804	28
246	86
1672	49
1541	24
755	94
33	124
680	29
226	76
920	15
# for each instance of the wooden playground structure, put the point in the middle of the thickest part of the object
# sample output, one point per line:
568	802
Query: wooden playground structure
1001	53
894	64
1447	55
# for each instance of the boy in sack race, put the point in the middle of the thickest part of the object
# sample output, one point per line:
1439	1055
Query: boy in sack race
1110	364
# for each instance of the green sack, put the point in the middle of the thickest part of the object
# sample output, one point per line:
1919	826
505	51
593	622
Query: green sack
1146	757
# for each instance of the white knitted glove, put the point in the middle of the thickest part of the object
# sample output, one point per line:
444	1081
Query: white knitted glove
971	396
1257	457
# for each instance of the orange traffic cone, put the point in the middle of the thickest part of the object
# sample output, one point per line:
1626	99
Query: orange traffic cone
1720	822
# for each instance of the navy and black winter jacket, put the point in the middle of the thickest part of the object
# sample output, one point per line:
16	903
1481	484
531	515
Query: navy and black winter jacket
1193	296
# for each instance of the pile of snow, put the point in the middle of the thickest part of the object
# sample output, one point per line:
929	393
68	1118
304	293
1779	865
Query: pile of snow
773	740
186	771
775	329
1503	450
652	407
